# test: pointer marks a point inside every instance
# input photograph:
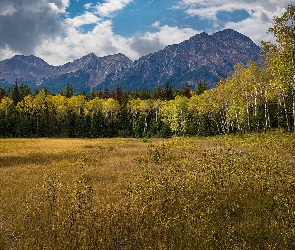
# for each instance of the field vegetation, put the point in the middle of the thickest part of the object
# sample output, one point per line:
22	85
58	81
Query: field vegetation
223	192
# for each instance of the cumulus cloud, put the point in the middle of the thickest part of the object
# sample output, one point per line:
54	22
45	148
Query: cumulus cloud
256	25
164	34
144	45
103	41
25	23
110	6
78	21
151	42
211	12
87	6
260	12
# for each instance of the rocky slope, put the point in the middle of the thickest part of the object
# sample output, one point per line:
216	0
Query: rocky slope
202	57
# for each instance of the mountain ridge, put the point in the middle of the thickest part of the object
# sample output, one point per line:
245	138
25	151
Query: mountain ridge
202	57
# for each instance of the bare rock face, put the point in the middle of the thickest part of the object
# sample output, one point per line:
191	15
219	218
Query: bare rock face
97	69
201	58
83	74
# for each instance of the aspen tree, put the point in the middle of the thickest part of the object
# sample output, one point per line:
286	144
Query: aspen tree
284	32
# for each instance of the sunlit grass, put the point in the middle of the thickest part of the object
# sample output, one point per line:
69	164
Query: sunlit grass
224	192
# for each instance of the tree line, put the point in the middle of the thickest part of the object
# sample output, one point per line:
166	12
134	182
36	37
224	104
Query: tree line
252	99
95	114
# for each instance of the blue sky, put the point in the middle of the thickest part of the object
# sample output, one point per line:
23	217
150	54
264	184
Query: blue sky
59	31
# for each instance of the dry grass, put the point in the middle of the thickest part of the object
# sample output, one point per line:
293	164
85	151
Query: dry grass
25	162
110	164
225	192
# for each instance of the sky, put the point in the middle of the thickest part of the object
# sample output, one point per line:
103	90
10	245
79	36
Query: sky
59	31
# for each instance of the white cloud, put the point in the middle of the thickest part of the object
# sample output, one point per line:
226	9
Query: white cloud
78	21
151	42
75	44
256	25
60	4
156	24
110	6
103	41
164	35
211	12
261	13
25	23
208	9
87	6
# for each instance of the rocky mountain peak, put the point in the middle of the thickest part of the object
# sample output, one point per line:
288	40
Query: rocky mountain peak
230	34
29	60
202	57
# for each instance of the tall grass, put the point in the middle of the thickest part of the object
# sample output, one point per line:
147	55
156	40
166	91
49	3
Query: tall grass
227	192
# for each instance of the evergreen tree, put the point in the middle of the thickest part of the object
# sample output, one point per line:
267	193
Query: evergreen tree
24	90
69	91
118	94
168	92
15	94
157	93
201	87
36	91
186	90
92	94
106	93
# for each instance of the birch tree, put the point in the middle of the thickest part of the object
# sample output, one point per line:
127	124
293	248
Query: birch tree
284	32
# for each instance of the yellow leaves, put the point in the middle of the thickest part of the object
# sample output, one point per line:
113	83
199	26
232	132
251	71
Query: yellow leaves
141	107
59	104
33	104
26	105
5	103
175	113
236	113
94	106
76	104
110	107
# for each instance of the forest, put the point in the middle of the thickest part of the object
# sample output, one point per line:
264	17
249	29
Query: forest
253	99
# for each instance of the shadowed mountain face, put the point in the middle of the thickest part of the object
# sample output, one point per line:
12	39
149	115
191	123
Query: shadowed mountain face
201	58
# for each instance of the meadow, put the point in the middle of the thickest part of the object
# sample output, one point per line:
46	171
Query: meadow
222	192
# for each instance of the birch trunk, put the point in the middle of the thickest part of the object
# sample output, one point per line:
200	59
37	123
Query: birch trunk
286	114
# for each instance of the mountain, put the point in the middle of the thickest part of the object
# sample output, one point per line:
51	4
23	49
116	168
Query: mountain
83	74
28	69
202	57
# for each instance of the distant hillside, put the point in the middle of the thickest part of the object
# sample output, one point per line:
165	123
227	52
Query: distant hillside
202	57
83	74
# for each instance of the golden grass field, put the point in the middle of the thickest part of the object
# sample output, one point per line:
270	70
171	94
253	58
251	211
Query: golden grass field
24	163
224	192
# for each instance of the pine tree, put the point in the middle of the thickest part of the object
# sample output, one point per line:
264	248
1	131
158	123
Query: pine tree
168	92
201	87
15	94
186	90
69	91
